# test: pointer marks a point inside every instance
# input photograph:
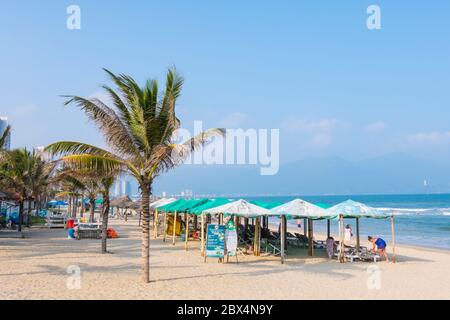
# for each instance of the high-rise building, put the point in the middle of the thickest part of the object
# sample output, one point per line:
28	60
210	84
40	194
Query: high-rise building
3	125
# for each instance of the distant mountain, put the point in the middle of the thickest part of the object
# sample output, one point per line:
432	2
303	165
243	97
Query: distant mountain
392	173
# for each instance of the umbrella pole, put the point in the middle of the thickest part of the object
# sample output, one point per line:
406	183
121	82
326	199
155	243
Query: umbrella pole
357	235
155	224
328	228
394	257
203	236
283	232
304	227
341	243
164	226
310	238
187	231
174	224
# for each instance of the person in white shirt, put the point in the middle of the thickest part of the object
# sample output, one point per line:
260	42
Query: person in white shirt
348	233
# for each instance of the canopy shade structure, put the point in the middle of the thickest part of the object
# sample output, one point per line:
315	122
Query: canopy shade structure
171	207
353	209
323	205
299	208
267	205
162	202
240	208
190	204
211	203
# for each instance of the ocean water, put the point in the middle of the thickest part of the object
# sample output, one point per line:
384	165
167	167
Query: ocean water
420	220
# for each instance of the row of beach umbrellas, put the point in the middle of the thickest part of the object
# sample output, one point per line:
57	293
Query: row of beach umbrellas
295	209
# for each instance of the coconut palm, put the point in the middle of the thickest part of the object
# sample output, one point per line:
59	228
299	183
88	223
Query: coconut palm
138	129
23	174
106	184
77	181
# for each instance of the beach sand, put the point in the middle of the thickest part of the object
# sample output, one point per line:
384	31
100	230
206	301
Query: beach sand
37	268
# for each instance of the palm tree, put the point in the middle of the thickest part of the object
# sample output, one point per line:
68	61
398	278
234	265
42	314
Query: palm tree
4	137
23	174
139	130
77	181
106	183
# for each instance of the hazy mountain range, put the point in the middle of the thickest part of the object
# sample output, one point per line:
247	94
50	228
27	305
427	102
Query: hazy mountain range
392	173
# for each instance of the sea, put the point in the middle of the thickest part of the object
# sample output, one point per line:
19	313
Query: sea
420	219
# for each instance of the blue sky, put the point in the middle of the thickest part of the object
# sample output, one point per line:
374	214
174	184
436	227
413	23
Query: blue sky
310	68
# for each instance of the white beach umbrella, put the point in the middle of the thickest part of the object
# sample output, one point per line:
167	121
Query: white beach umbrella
353	209
299	208
161	202
240	208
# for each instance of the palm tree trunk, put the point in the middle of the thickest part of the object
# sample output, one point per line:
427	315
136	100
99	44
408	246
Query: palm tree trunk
91	210
20	216
105	216
145	189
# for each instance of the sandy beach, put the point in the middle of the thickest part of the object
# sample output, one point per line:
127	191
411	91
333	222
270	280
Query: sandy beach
37	268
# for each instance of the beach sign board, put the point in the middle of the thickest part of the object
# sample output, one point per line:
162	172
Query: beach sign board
231	239
215	241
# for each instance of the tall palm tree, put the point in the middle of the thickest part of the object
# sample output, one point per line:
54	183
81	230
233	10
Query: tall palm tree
138	129
106	184
4	137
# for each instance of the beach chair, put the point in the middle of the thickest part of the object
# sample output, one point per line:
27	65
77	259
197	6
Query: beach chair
367	255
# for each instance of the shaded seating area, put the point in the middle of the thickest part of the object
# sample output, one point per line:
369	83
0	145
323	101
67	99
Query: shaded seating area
180	218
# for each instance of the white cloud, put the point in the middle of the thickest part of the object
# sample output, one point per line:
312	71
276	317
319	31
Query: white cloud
429	138
319	132
377	126
234	120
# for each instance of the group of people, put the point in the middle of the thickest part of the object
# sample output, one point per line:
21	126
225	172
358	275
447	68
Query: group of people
378	244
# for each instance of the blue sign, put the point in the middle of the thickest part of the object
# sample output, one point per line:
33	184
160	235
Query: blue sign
215	241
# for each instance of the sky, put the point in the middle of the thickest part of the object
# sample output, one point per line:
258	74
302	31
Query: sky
309	68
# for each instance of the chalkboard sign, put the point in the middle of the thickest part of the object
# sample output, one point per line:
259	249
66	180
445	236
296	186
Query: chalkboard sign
215	241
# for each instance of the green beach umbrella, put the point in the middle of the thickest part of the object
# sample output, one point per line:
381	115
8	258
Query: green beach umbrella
211	203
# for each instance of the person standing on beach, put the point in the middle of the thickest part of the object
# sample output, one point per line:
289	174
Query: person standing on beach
381	247
348	233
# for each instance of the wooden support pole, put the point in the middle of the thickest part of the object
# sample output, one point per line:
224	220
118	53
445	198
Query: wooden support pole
305	223
155	224
187	231
394	257
245	228
358	241
203	235
341	240
256	243
283	233
174	225
164	226
328	228
310	238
